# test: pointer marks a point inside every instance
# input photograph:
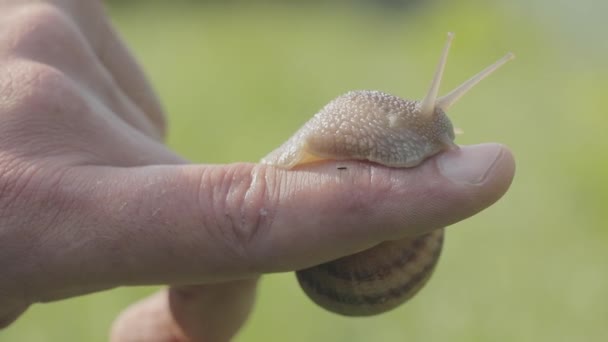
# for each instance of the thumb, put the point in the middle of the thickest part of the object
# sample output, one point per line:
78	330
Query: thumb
205	223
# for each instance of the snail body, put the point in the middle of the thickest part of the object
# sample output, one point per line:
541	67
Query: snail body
388	130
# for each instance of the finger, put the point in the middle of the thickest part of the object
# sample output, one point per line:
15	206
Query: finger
116	57
48	116
147	320
114	54
212	312
129	76
197	224
44	34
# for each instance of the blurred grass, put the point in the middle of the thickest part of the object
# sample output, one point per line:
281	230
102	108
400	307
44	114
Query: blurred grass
238	80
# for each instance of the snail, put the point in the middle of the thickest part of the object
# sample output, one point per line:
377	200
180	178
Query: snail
388	130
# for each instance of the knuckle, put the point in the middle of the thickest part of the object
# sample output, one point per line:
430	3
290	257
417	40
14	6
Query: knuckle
40	27
37	85
40	100
241	211
33	87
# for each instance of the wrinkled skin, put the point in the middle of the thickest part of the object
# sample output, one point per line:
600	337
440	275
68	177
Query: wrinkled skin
91	198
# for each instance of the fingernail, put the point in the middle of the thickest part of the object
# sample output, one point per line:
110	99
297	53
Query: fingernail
469	164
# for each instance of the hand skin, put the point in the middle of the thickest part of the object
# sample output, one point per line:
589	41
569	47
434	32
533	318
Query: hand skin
91	199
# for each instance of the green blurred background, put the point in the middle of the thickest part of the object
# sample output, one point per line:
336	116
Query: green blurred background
238	77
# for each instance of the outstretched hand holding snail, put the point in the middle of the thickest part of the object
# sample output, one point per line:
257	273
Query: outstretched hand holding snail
384	129
91	199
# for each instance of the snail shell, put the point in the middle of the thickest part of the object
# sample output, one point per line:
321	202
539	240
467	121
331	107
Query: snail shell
384	129
375	280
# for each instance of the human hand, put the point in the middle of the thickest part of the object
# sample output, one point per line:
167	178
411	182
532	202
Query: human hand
90	198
